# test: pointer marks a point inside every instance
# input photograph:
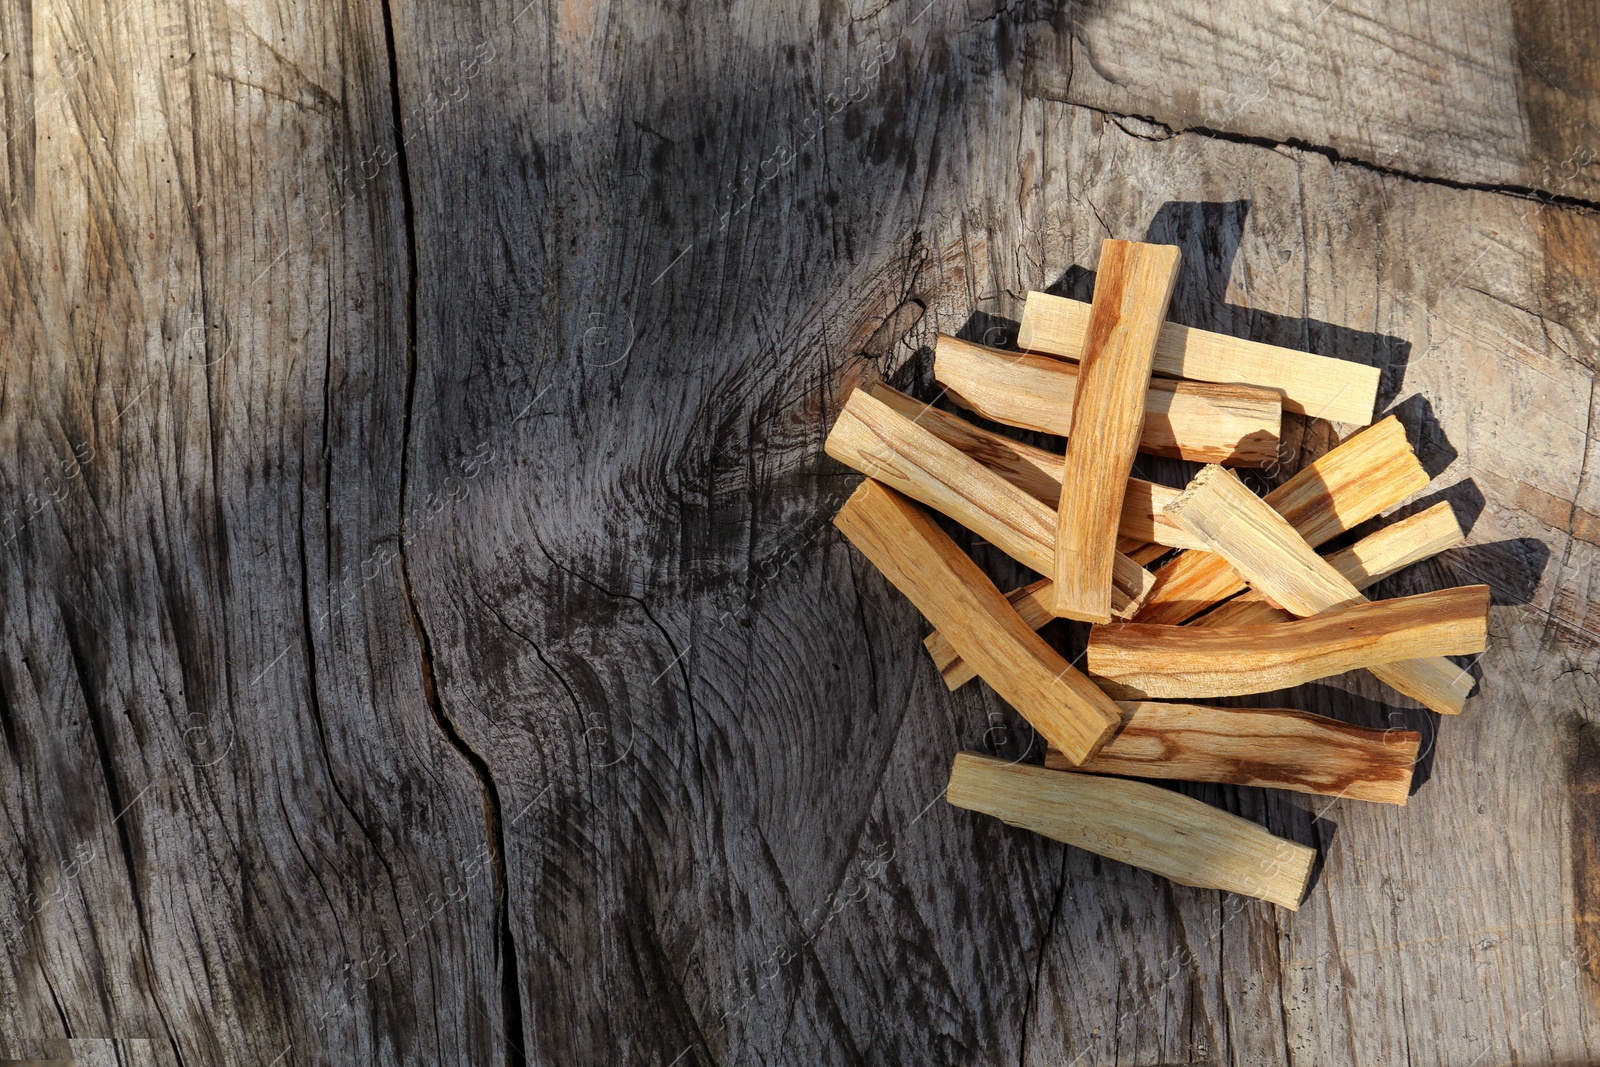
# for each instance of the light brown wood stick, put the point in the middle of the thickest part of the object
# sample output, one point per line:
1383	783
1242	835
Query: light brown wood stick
1031	605
1260	545
1038	473
1367	562
1333	389
1146	826
1134	661
922	562
1201	421
1278	748
1370	472
880	443
1131	295
1144	555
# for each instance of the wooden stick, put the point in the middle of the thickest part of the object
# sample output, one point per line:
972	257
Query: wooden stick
1201	421
1323	388
1365	563
922	562
1278	748
1146	826
878	442
1144	555
1137	660
1130	303
1260	545
1367	474
1031	605
1038	473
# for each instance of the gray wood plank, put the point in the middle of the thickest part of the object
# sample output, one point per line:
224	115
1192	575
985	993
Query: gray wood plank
228	817
1464	91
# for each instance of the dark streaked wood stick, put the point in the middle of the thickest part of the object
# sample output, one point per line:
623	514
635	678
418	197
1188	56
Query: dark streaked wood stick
1277	748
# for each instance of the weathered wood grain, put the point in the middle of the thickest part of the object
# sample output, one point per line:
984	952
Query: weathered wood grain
1468	92
1278	748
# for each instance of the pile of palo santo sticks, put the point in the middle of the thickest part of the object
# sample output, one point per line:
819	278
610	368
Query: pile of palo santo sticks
1247	605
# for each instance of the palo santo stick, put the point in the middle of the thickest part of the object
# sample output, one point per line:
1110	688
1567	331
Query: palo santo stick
947	587
1033	470
1152	828
1031	605
1323	388
1208	423
1278	748
1130	304
878	442
1367	474
1367	562
1260	545
1144	555
1038	473
1136	660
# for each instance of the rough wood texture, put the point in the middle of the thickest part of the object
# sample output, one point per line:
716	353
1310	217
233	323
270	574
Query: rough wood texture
1365	563
949	589
1370	472
1209	423
1038	473
1130	304
1262	547
1135	660
675	803
1143	825
1333	389
1277	748
872	438
1511	105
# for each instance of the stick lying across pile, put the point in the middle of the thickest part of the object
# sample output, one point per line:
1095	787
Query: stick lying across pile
1322	388
1130	304
1144	660
1233	424
1247	605
876	441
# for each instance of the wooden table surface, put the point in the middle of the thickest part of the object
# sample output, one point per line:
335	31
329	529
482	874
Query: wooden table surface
422	636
